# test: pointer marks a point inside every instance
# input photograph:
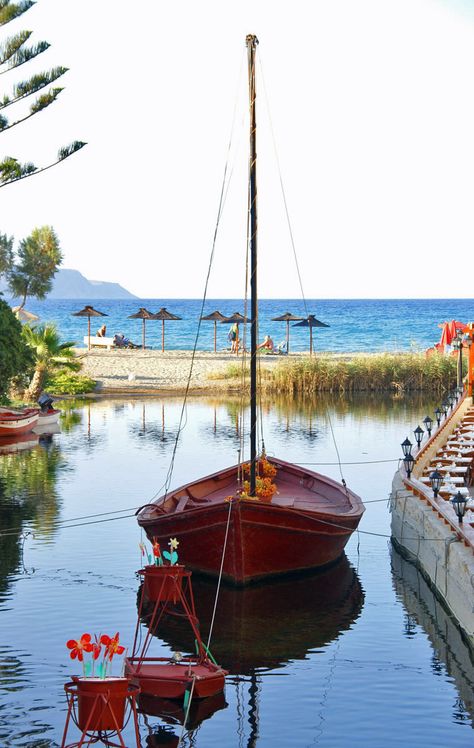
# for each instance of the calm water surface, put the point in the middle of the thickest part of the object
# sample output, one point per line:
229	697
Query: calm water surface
361	655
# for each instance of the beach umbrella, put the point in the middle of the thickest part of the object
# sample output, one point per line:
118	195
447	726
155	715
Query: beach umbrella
310	322
23	315
215	317
236	319
449	331
164	314
142	314
89	312
287	317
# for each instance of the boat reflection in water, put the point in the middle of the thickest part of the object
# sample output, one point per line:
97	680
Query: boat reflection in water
267	625
425	609
261	628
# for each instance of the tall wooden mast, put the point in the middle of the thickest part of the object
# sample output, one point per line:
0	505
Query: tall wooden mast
252	42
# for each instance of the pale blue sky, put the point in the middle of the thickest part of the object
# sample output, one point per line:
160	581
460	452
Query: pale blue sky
372	105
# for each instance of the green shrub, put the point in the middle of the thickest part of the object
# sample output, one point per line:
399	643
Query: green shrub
69	383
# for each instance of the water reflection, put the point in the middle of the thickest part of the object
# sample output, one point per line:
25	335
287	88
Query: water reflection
27	494
450	653
152	431
307	613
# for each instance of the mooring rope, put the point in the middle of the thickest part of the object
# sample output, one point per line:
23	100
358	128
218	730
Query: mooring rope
185	721
220	577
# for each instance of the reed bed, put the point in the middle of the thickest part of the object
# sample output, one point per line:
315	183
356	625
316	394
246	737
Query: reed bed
406	372
386	372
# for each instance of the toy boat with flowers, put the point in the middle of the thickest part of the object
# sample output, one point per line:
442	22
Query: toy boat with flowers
297	520
167	589
275	517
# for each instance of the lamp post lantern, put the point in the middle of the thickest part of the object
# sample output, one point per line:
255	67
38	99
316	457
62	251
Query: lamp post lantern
429	424
418	435
408	462
406	447
436	479
459	503
438	416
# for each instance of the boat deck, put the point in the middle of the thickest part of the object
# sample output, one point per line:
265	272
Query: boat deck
296	489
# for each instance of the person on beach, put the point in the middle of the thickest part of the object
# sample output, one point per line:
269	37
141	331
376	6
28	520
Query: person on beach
267	345
101	331
233	337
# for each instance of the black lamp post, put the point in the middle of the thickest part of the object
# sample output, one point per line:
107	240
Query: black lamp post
457	343
459	504
451	399
445	408
406	447
438	416
429	424
436	480
408	462
418	435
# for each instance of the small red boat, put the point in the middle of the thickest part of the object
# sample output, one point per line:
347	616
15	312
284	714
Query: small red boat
305	525
15	421
169	590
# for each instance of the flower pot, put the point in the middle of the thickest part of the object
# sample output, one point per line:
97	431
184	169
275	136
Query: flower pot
162	583
101	703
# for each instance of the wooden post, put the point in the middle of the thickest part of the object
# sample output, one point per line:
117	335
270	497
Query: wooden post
470	364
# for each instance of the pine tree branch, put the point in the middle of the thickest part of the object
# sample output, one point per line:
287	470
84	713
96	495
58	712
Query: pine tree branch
41	103
9	11
25	55
11	46
12	171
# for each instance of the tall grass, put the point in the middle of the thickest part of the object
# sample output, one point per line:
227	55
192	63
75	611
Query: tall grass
363	373
386	372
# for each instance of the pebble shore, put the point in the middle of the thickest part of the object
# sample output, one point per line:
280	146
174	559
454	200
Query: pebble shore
141	371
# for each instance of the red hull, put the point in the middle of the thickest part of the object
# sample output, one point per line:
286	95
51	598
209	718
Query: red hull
157	677
13	422
306	526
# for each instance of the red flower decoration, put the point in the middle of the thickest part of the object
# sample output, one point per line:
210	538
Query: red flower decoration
96	648
79	646
112	646
156	548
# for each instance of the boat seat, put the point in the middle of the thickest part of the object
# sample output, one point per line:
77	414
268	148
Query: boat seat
181	504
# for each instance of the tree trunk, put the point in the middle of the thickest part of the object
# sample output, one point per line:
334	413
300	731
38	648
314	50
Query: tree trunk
36	385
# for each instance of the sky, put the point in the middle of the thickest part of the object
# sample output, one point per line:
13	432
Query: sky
365	114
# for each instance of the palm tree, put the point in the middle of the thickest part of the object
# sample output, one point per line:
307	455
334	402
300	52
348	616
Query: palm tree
50	355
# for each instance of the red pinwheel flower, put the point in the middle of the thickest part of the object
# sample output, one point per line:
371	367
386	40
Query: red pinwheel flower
96	648
156	548
112	646
79	646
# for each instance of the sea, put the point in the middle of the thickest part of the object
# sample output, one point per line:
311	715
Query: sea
355	325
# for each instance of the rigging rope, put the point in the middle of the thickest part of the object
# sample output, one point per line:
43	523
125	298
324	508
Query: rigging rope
224	548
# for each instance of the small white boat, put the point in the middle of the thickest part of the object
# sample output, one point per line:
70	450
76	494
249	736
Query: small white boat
47	417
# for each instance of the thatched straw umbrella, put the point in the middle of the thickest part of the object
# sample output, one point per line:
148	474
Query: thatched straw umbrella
287	317
310	322
142	314
163	314
23	315
89	312
215	317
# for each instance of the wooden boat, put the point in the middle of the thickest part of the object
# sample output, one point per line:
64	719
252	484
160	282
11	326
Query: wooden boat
304	525
14	421
168	588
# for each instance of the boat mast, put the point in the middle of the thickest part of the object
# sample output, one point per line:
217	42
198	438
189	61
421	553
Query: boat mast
251	42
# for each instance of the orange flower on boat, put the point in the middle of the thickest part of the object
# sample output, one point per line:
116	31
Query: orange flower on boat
112	645
79	646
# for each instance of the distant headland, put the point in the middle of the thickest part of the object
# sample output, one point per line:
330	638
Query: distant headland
71	284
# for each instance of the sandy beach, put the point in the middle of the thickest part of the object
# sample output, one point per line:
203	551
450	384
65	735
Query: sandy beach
138	371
